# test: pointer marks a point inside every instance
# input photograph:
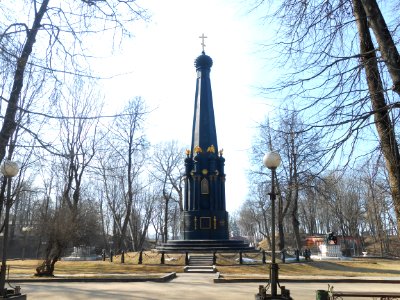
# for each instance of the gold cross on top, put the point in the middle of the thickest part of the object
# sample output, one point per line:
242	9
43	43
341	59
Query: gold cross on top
202	37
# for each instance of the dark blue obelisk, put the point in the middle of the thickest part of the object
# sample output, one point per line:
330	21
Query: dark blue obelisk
204	216
204	220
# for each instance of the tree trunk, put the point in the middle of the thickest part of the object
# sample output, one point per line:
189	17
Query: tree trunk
281	243
9	123
382	119
296	224
53	254
165	227
267	233
385	41
295	186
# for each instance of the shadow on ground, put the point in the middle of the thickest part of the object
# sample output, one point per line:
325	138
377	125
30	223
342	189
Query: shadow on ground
351	268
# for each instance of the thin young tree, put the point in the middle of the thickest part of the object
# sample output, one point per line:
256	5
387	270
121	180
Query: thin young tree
300	154
167	162
77	135
122	161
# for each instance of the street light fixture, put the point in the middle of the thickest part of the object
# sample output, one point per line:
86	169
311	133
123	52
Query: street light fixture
9	169
272	160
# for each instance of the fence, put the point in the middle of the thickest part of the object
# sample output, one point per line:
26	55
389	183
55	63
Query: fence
219	258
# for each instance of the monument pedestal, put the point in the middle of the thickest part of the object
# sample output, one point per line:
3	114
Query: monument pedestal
205	246
204	225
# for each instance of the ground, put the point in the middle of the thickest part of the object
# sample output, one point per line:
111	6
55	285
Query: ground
185	286
237	281
346	268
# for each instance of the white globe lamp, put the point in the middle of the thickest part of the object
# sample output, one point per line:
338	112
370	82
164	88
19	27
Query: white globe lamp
9	168
272	160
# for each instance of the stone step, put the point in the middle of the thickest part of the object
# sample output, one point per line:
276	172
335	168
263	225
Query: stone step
199	269
200	260
201	256
208	261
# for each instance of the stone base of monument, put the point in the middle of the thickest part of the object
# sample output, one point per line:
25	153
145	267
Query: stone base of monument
204	246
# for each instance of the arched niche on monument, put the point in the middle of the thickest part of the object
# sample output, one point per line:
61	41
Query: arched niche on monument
205	190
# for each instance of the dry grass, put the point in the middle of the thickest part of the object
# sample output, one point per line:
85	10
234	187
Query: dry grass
94	268
152	257
151	265
376	267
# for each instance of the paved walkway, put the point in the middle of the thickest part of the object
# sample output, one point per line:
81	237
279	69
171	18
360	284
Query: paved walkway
185	286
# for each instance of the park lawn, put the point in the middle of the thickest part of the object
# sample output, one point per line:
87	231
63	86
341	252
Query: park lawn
378	267
94	268
354	268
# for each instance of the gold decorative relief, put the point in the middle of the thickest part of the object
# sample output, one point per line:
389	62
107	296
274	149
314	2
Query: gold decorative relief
211	149
197	149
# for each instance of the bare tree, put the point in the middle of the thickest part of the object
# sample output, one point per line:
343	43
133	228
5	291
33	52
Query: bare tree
340	73
121	163
253	219
60	32
157	220
78	146
168	166
343	196
142	215
300	154
313	211
376	204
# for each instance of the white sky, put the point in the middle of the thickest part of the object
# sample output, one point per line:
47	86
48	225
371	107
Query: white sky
160	62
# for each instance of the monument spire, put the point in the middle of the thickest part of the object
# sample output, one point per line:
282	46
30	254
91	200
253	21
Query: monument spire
204	132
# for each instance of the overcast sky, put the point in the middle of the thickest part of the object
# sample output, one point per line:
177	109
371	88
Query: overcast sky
160	62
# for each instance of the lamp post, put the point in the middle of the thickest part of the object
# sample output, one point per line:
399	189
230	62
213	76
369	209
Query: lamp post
25	230
272	160
9	169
